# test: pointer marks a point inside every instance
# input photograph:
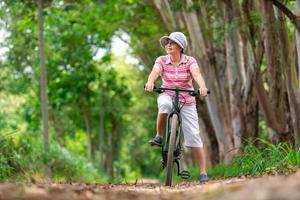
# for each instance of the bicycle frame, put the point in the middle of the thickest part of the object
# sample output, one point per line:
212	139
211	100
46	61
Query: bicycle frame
178	149
165	145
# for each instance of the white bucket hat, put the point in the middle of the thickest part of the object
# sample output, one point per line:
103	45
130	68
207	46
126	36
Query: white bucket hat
177	37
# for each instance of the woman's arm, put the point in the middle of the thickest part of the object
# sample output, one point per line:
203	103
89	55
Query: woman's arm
195	71
152	78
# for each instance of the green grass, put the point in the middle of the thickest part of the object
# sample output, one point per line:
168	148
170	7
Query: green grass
22	158
267	158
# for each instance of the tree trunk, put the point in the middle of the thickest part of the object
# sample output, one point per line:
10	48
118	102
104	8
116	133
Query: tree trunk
101	130
89	137
234	69
277	93
215	102
256	57
294	105
110	155
44	90
87	121
163	6
249	96
113	147
298	42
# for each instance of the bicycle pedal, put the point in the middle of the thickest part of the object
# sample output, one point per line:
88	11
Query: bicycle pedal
155	144
184	174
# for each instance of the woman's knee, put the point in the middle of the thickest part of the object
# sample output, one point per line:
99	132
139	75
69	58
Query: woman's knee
164	104
165	107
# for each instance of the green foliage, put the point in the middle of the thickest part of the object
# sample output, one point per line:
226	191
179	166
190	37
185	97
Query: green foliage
24	156
178	5
77	143
140	126
5	169
77	82
267	158
69	167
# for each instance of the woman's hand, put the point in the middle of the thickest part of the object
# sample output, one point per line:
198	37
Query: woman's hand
203	91
149	86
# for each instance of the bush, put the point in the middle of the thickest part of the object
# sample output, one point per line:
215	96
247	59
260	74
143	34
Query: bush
23	155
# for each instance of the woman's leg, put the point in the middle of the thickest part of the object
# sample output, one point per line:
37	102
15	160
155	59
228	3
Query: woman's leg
164	103
161	123
190	127
199	157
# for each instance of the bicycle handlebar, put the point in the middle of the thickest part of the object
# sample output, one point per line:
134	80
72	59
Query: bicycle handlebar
191	92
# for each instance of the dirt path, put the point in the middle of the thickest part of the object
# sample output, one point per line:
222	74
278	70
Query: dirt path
267	187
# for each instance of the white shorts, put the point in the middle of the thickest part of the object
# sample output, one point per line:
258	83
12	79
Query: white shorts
189	116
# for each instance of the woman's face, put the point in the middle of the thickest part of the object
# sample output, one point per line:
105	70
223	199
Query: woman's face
172	47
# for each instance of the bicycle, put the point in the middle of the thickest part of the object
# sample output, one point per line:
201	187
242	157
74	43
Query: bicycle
171	148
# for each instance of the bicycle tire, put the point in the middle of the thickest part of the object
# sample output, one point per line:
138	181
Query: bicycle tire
172	141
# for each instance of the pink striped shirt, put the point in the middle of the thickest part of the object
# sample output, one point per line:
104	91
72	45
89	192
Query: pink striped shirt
177	76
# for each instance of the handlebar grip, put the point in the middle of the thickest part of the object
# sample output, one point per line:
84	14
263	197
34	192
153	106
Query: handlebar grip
197	93
158	90
154	88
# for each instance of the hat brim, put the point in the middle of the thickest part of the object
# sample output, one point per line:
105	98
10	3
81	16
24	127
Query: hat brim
164	41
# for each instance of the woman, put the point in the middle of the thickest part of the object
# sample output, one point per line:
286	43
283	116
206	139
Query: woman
177	70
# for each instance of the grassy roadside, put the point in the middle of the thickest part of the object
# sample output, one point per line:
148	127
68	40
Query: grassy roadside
265	158
30	163
255	160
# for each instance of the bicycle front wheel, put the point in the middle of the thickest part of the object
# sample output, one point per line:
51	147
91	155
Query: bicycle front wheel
172	141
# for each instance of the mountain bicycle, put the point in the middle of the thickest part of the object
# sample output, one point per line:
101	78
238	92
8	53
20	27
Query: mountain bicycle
171	148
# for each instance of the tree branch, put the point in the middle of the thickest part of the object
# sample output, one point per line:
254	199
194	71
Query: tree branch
295	19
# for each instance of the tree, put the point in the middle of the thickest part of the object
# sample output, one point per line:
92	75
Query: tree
44	90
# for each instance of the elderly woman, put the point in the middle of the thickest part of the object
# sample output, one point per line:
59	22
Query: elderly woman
177	70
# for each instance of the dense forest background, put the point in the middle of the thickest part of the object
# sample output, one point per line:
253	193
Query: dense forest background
97	117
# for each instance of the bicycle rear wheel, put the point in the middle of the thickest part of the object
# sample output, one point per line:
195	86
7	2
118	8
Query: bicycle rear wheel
172	141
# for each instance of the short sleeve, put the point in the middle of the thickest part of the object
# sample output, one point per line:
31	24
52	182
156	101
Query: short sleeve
158	64
193	63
